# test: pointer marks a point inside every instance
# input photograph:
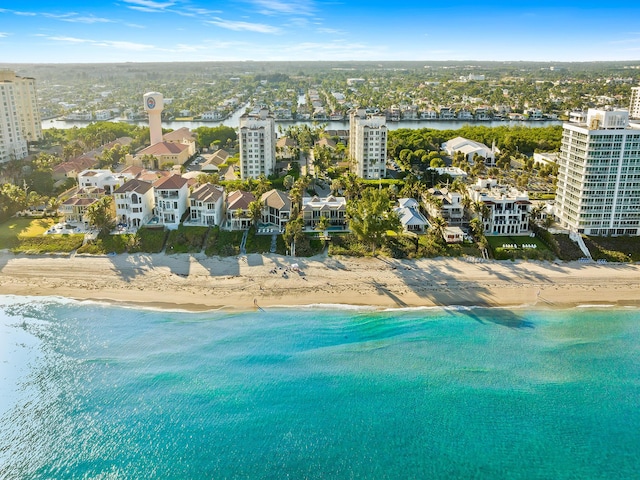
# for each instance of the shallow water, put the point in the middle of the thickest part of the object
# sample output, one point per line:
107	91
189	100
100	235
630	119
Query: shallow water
95	391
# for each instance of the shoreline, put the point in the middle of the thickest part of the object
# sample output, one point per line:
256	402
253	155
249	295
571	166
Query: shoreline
197	283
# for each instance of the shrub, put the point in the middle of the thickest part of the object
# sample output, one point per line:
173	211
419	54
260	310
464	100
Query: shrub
148	240
569	250
614	249
49	244
348	244
223	243
186	239
108	243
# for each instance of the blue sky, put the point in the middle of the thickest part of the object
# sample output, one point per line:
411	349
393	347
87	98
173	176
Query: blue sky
195	30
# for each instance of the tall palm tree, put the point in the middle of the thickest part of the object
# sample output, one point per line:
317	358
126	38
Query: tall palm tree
255	212
439	226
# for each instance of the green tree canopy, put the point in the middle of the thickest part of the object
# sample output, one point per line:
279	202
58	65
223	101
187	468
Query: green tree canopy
371	217
101	215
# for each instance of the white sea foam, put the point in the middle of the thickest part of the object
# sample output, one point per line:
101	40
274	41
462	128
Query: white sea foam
603	305
327	306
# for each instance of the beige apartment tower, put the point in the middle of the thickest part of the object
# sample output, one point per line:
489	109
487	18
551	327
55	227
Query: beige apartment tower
20	120
634	105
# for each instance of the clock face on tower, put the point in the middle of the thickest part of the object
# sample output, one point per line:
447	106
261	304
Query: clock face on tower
151	103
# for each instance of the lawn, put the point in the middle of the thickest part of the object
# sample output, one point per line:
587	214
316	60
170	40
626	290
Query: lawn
16	229
502	249
25	235
49	244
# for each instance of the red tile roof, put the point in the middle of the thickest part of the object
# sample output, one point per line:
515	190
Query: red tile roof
163	148
173	182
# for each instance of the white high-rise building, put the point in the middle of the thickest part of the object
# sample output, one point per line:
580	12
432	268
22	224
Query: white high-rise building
19	115
634	105
368	144
257	144
599	175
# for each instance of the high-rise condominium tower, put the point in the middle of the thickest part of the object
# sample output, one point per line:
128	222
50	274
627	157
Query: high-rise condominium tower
634	106
599	175
368	144
20	120
257	144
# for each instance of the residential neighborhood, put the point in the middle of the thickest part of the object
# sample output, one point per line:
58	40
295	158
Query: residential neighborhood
304	182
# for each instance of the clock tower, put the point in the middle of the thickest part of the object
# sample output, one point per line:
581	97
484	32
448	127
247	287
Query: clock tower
153	105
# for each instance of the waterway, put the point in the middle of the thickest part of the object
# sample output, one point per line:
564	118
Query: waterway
234	121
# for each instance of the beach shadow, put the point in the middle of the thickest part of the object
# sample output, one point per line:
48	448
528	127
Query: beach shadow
437	283
5	256
220	266
128	267
382	289
255	260
178	264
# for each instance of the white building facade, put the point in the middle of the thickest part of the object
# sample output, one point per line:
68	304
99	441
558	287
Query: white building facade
598	190
368	144
257	144
134	203
206	205
509	209
333	208
99	178
171	196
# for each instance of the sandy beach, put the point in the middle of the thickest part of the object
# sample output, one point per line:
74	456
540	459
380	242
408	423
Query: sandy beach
197	282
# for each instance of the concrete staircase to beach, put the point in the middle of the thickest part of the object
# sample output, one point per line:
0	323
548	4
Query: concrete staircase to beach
576	237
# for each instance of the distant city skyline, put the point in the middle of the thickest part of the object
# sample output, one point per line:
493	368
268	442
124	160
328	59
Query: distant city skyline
71	31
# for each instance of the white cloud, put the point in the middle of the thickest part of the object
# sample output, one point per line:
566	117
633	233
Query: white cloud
74	18
243	26
330	31
149	4
70	39
4	34
117	44
121	45
197	12
292	7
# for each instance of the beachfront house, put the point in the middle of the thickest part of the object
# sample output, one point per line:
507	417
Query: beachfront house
445	203
238	217
333	208
171	195
134	203
74	209
100	178
506	211
453	235
411	219
276	208
206	204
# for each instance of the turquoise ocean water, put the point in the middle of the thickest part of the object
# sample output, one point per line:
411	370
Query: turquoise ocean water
100	392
